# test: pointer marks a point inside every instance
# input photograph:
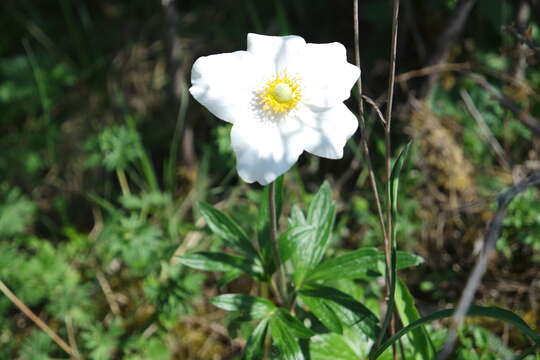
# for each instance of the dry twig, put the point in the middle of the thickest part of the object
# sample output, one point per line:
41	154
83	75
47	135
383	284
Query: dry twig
529	120
446	40
490	239
40	323
363	134
485	131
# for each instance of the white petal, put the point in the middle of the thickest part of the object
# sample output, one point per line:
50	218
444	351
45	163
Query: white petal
279	50
327	130
223	83
327	77
265	150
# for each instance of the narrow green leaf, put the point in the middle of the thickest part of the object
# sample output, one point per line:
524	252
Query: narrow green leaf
492	312
229	276
284	341
408	313
326	315
250	306
295	326
255	343
392	277
221	262
226	229
396	172
406	260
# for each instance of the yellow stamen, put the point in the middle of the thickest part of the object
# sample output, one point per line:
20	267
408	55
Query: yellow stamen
281	93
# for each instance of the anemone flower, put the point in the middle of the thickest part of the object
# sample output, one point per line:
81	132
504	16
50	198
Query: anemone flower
283	96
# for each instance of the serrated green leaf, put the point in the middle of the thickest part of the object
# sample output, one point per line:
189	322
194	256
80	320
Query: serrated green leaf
227	230
323	237
352	312
297	217
294	237
284	341
306	245
221	262
348	266
249	306
408	313
296	327
331	347
325	315
320	205
255	343
356	264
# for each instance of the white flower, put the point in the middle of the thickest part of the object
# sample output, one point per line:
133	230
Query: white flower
282	96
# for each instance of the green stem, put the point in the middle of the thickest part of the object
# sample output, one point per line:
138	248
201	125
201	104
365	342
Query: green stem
122	179
390	241
280	274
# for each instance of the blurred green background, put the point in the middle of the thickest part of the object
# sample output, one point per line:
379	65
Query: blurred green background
104	155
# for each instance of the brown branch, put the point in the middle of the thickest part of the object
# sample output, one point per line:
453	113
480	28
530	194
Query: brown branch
485	131
71	336
526	118
446	40
108	292
184	128
524	39
433	69
372	102
520	54
490	239
40	323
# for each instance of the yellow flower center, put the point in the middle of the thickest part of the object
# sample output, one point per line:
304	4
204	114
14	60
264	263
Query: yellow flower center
280	94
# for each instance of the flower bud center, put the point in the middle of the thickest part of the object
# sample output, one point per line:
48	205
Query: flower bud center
282	93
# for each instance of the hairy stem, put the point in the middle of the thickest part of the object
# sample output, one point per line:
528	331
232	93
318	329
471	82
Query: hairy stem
280	273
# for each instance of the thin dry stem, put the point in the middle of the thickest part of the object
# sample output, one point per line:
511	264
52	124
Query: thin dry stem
71	336
40	323
372	102
363	133
388	146
490	240
433	69
485	131
108	292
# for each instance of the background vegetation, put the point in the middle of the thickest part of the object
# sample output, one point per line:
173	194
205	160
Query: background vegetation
104	156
